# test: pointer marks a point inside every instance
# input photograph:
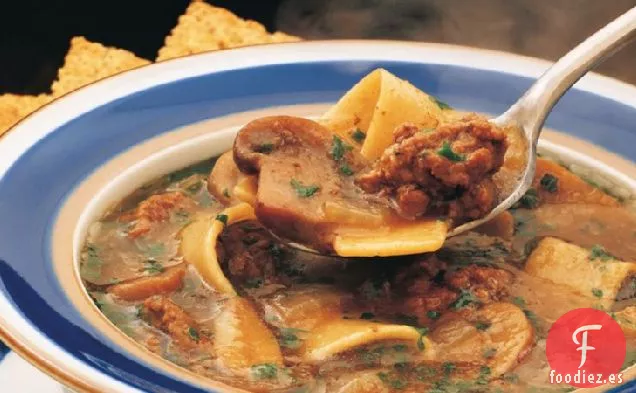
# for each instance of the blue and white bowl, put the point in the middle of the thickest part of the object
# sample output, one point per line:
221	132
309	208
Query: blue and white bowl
60	168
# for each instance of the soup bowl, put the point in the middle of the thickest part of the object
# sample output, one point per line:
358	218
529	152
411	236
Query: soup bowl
65	165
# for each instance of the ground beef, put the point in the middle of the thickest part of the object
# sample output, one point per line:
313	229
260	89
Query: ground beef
250	254
425	288
488	284
168	317
156	208
445	171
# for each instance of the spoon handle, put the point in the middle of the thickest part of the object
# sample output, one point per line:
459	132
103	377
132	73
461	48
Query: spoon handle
531	110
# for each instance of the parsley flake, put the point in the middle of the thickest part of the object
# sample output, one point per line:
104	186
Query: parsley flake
358	135
222	217
303	191
549	183
446	151
339	148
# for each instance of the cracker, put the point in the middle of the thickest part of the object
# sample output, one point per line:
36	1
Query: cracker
87	62
14	108
206	28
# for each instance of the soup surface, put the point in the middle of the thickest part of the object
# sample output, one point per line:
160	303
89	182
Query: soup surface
185	268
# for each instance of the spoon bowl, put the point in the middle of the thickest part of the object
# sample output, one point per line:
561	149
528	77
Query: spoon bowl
531	110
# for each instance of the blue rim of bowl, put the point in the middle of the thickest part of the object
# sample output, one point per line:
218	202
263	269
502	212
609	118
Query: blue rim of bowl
353	58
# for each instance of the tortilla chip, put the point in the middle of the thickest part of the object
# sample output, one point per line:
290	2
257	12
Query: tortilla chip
14	108
87	62
206	28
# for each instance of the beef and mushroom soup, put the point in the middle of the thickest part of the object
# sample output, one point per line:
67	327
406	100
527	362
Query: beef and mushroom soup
193	267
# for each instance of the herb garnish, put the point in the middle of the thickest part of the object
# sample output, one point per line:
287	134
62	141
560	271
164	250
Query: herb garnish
92	265
482	325
226	192
367	315
264	148
519	301
253	282
464	299
441	104
598	252
549	183
423	331
433	314
346	170
222	217
489	353
484	374
153	267
448	368
339	148
265	371
597	293
530	199
303	191
358	135
393	383
194	334
289	337
447	151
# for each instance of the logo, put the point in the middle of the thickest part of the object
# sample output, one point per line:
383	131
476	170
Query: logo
585	348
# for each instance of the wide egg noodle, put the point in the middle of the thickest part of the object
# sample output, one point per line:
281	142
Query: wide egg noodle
377	105
199	240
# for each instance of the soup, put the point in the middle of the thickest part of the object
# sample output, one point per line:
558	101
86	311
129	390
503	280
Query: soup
188	268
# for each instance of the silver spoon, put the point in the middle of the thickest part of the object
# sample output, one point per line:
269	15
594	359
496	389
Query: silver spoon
530	111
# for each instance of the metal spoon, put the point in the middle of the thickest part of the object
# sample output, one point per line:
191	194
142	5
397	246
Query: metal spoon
530	111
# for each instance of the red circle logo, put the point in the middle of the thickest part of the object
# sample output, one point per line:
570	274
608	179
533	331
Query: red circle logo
585	348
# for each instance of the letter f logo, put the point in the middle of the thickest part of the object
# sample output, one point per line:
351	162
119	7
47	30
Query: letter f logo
584	347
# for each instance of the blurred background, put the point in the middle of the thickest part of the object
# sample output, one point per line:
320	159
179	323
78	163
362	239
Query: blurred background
35	34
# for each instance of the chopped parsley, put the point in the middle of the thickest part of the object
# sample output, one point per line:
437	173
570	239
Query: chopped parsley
448	368
441	104
226	192
222	217
153	267
194	334
288	337
253	282
519	301
265	371
530	199
433	314
423	331
346	170
597	293
511	378
181	216
367	315
400	348
549	183
447	151
358	135
464	299
92	264
484	374
303	191
394	383
264	148
598	252
489	353
339	148
482	325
